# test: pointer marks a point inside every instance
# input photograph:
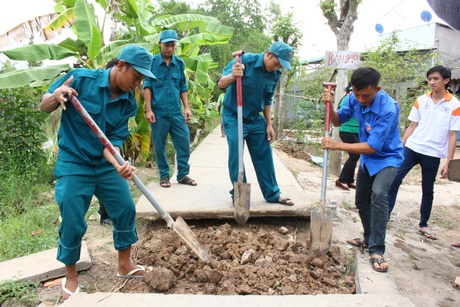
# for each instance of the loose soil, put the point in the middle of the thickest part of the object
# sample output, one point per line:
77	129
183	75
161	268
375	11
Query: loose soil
271	256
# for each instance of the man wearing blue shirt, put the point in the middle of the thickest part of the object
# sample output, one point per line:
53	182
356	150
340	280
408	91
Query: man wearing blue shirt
381	153
84	167
163	109
260	73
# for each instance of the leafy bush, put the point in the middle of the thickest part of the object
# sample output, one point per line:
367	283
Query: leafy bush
21	136
22	159
27	220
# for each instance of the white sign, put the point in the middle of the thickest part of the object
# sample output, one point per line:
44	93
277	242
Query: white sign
342	59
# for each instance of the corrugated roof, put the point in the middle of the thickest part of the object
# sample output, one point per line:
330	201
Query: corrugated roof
455	68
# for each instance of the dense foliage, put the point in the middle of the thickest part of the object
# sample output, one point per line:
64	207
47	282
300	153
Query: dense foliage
27	221
21	136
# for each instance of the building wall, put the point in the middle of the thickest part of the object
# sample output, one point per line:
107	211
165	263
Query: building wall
447	42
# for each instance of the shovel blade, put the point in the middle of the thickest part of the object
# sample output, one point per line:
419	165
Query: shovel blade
453	172
315	231
242	201
184	231
320	232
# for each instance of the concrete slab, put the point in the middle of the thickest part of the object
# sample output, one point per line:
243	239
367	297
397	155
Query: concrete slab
147	300
211	198
40	266
369	281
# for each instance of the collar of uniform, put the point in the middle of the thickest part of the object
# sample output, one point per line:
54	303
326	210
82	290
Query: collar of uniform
173	60
447	96
260	61
375	106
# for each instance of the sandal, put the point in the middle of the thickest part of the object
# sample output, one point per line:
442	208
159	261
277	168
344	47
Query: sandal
67	291
286	201
164	182
188	181
358	242
132	274
428	234
379	261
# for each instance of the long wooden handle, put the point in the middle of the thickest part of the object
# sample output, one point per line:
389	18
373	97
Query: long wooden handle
92	124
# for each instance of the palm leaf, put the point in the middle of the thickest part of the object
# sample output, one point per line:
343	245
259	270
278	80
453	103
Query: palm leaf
39	52
22	77
87	28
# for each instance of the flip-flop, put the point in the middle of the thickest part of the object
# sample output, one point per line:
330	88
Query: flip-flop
379	261
358	242
67	291
165	183
132	273
456	244
428	234
286	201
188	181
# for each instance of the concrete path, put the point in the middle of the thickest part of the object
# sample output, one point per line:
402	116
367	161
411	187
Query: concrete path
210	199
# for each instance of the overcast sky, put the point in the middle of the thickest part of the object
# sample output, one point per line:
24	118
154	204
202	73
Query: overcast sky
391	14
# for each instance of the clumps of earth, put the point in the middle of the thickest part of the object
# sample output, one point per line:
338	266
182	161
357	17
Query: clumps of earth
259	258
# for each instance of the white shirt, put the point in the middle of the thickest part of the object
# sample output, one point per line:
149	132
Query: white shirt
435	121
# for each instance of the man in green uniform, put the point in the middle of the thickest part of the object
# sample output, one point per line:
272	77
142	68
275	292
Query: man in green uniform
260	73
163	109
85	167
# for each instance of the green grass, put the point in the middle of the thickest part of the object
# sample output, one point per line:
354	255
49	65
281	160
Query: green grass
33	231
22	293
350	263
28	212
348	206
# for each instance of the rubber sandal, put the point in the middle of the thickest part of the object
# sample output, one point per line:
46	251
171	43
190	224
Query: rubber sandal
286	201
164	183
188	181
358	242
456	244
67	291
428	234
132	273
379	261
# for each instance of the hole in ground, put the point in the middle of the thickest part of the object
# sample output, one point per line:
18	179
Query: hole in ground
266	256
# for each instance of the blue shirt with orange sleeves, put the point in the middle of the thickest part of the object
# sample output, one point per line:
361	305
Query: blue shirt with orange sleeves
379	128
167	89
258	87
81	146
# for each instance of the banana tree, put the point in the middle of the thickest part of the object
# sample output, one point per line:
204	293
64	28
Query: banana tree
137	24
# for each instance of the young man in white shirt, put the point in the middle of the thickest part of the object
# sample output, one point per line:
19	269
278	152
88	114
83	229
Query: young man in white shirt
431	135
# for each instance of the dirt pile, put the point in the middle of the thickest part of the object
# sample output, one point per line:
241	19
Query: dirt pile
259	258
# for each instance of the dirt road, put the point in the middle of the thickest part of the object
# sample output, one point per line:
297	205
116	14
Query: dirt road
424	270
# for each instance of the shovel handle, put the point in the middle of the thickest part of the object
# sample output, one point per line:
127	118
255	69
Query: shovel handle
239	86
92	124
239	101
327	128
327	122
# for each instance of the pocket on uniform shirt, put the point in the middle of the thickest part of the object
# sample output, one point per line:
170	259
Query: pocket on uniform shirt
176	78
92	107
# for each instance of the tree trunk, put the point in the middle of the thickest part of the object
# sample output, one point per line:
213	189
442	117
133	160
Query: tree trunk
335	157
342	26
278	101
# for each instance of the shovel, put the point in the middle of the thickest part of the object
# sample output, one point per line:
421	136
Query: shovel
179	226
453	170
321	221
242	190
